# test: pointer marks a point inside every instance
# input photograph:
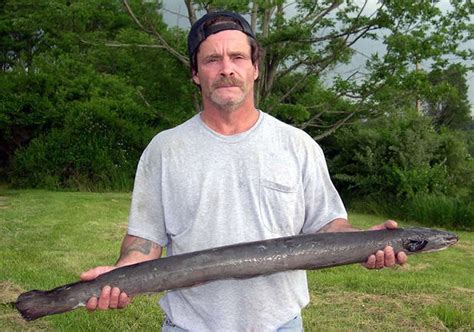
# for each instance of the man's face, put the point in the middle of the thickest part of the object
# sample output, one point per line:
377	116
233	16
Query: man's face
225	70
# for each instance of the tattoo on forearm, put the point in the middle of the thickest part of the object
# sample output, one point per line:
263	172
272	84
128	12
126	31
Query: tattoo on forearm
140	245
324	229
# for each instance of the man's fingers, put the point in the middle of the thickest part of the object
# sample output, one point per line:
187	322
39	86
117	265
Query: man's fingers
124	300
91	304
385	258
388	224
389	256
88	275
104	299
114	298
401	258
95	272
110	298
370	263
379	259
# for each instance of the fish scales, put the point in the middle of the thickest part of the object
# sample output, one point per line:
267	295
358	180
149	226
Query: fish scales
244	260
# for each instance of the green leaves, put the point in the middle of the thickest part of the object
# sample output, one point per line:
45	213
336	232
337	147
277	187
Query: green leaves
82	93
400	156
114	66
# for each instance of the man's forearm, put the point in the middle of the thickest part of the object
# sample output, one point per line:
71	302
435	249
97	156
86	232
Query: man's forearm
338	225
135	250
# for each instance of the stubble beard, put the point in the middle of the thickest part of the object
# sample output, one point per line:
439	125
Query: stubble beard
227	104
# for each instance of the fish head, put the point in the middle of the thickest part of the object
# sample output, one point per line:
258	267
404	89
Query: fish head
428	240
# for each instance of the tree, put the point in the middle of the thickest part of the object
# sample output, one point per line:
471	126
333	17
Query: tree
446	101
306	39
78	114
65	65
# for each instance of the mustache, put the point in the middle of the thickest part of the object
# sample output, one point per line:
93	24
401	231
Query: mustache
227	81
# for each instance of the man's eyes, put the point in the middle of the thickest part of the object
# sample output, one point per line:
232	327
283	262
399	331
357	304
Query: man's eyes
235	57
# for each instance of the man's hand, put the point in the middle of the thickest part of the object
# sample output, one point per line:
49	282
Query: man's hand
386	257
134	250
110	298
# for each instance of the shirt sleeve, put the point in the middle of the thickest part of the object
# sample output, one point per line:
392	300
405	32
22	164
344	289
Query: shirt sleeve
146	217
322	201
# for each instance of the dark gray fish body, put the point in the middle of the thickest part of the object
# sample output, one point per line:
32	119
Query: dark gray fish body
245	260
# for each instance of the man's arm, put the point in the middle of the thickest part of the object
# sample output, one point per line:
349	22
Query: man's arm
134	250
382	258
338	225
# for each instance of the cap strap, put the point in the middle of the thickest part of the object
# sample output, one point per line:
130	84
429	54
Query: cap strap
220	27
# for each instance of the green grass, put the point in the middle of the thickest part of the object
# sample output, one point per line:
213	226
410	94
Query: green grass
48	238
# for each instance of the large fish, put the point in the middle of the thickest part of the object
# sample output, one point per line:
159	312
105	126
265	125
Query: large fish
245	260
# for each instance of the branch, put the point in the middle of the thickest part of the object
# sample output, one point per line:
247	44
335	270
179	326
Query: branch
132	15
191	11
161	41
184	59
335	127
117	44
331	126
317	17
266	21
291	68
142	97
348	32
322	63
253	20
175	13
361	10
343	121
293	88
301	62
308	123
316	116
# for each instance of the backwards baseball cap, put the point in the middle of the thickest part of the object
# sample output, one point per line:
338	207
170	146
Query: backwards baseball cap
200	30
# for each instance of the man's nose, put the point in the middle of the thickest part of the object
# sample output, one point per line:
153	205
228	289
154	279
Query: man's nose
227	68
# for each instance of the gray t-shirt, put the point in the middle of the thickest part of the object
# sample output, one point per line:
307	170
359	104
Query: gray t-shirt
196	189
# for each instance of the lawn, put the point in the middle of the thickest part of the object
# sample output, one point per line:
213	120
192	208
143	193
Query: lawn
49	238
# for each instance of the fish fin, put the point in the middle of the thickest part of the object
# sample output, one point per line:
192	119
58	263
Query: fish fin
27	305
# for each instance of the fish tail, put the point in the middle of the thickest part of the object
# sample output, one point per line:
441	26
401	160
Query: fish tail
29	304
37	303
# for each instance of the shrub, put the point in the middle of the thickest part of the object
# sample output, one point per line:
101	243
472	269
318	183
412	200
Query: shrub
95	150
399	166
390	156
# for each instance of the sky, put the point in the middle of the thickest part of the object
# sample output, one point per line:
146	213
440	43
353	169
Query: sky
175	13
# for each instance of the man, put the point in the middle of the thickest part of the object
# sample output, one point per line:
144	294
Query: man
230	174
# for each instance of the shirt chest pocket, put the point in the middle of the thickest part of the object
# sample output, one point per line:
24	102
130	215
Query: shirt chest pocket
281	207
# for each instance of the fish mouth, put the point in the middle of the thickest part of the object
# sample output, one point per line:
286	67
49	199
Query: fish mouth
447	242
452	239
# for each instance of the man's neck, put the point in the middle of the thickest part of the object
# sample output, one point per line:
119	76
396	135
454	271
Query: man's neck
227	122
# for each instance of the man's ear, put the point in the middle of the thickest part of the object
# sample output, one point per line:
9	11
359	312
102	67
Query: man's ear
196	79
256	73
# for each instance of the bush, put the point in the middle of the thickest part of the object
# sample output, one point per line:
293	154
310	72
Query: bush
400	166
95	150
388	156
